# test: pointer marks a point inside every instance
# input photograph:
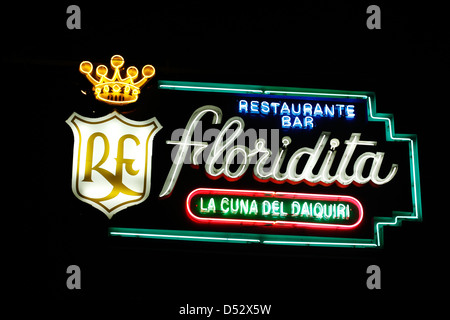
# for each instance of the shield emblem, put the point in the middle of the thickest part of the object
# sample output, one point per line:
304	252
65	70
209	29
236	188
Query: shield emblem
112	160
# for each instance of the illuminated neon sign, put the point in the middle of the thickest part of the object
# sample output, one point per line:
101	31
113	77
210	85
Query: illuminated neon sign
243	163
297	115
265	208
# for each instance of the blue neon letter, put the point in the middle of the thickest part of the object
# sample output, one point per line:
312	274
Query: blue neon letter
265	107
254	107
243	105
350	111
286	121
307	108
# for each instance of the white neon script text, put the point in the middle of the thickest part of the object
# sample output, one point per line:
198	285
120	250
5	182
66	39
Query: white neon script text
222	145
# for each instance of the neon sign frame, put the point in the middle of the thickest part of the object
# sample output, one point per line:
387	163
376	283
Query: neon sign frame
379	222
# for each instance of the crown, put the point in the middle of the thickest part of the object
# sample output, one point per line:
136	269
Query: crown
116	90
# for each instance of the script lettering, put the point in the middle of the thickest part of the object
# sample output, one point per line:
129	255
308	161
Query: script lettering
225	144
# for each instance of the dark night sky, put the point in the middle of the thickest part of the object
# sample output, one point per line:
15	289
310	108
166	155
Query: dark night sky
314	44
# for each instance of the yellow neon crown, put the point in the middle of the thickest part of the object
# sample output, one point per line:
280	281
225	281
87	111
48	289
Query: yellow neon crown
116	90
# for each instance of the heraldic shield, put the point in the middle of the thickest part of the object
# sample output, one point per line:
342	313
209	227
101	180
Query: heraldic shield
112	160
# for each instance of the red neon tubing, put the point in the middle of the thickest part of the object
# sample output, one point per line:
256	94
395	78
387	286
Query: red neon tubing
275	223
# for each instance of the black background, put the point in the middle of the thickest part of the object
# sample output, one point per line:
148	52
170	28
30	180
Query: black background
314	44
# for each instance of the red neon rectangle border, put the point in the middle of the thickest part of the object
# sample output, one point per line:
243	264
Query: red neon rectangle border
276	223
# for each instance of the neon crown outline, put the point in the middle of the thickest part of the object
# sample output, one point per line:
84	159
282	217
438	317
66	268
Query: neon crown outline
116	90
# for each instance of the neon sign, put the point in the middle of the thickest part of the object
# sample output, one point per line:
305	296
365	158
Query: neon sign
334	174
297	115
280	209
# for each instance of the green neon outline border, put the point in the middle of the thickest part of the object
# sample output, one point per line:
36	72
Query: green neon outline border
379	222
